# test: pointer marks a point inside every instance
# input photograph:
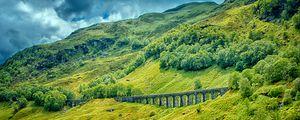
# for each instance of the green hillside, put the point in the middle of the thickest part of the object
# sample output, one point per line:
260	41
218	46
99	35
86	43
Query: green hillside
251	46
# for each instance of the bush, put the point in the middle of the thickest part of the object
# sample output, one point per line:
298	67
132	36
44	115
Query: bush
292	52
257	51
256	35
137	45
38	98
198	84
22	102
152	114
245	88
234	81
69	94
135	64
275	68
8	95
296	20
226	58
154	50
271	9
5	77
197	61
107	91
54	101
276	91
288	98
297	97
122	43
257	80
25	91
296	83
248	73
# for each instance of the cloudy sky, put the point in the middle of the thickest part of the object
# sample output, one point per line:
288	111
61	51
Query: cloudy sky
24	23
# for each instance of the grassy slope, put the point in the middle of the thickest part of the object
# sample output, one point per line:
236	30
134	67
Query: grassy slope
91	70
153	80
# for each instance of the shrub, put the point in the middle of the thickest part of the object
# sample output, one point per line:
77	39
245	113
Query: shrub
122	42
198	84
5	77
8	95
279	70
276	91
54	101
152	114
271	9
292	52
297	97
197	61
69	94
226	58
245	88
135	64
25	91
296	83
154	50
248	73
107	91
296	20
275	68
22	102
137	45
256	35
257	51
234	81
257	80
38	98
288	98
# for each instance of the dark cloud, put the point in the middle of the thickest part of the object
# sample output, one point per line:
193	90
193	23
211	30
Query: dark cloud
72	9
28	22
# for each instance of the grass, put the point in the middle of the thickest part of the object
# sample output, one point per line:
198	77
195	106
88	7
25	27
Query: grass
230	107
91	70
5	111
151	79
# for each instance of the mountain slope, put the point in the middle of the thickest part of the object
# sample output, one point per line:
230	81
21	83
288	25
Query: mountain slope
256	57
49	62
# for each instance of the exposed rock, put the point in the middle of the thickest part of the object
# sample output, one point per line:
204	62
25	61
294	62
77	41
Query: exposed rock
110	109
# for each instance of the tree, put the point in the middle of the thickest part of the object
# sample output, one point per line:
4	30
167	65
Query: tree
245	88
198	61
281	69
5	77
122	43
276	91
38	98
234	81
256	35
136	44
197	84
54	100
256	51
296	83
8	95
69	94
226	58
288	98
296	20
257	80
292	52
22	102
